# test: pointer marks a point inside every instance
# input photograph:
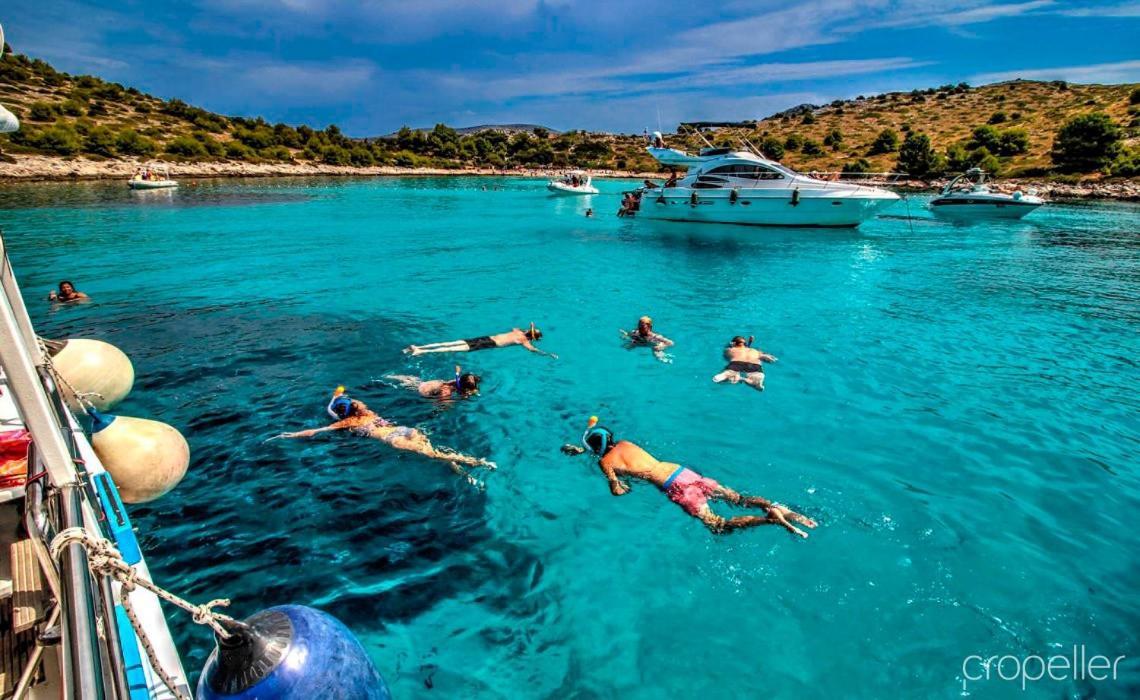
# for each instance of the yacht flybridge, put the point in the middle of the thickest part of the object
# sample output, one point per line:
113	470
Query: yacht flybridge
969	196
728	186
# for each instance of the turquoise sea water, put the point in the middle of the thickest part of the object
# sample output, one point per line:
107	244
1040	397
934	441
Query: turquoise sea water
956	406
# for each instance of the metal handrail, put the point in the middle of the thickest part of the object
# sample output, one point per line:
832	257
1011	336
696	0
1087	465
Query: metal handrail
82	665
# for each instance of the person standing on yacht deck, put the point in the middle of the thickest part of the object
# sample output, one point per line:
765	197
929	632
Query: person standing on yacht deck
744	363
486	342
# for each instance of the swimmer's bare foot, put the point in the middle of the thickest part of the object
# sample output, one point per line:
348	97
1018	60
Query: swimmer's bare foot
780	515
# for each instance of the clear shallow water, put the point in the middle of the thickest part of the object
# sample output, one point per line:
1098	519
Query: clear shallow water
955	405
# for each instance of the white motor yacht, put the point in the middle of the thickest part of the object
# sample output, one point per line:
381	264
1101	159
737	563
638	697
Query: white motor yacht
738	187
968	196
572	183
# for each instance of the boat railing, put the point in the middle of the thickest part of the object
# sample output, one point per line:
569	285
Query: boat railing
54	459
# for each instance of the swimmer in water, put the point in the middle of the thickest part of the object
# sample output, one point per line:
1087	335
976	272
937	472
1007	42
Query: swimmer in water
461	387
686	488
67	293
645	335
513	337
744	363
355	417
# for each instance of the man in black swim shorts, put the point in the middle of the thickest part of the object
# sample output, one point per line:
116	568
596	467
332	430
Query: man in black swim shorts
744	363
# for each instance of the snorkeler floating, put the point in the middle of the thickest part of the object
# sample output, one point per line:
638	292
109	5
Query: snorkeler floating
355	416
744	363
684	487
486	342
67	293
462	386
645	335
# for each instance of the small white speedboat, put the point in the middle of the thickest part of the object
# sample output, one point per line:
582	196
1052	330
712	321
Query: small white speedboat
152	177
968	196
574	182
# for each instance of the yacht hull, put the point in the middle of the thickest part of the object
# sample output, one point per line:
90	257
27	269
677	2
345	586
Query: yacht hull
151	184
766	208
569	190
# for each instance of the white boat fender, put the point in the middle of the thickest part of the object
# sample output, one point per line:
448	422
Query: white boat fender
146	458
99	372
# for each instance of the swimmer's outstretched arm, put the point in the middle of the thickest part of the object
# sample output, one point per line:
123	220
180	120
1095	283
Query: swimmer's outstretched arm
527	344
339	425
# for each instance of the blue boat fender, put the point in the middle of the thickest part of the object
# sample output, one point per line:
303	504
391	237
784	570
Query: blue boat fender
290	652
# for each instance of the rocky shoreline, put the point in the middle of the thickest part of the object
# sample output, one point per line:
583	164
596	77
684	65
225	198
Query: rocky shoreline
46	168
34	168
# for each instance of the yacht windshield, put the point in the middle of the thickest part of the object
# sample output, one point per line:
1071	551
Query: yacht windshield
748	171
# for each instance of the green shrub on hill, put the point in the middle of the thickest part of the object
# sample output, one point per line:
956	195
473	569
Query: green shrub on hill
130	143
1086	143
1127	164
772	148
187	146
886	142
43	112
794	142
100	141
857	166
917	157
811	147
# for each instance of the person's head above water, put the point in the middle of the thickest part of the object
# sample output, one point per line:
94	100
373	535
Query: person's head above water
532	333
738	341
597	439
66	288
341	407
644	325
466	383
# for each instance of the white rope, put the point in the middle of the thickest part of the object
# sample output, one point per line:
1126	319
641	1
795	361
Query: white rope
104	560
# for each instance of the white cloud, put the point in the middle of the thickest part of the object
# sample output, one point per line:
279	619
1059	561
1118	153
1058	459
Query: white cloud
1124	9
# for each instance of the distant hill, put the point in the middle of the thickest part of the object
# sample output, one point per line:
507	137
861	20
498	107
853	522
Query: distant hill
502	128
1009	127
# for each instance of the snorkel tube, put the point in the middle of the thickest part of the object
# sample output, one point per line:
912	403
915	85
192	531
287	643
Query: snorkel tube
458	383
339	403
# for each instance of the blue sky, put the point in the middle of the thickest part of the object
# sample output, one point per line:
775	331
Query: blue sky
373	66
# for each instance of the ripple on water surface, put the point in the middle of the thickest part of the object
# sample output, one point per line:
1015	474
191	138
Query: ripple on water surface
955	404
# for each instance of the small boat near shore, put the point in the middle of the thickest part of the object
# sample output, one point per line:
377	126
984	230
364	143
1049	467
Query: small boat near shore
575	182
152	177
968	196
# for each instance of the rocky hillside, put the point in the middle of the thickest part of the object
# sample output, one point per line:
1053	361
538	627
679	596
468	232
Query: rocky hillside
1015	122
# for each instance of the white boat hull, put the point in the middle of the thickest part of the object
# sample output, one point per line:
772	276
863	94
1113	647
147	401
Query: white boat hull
984	209
151	184
569	190
769	207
